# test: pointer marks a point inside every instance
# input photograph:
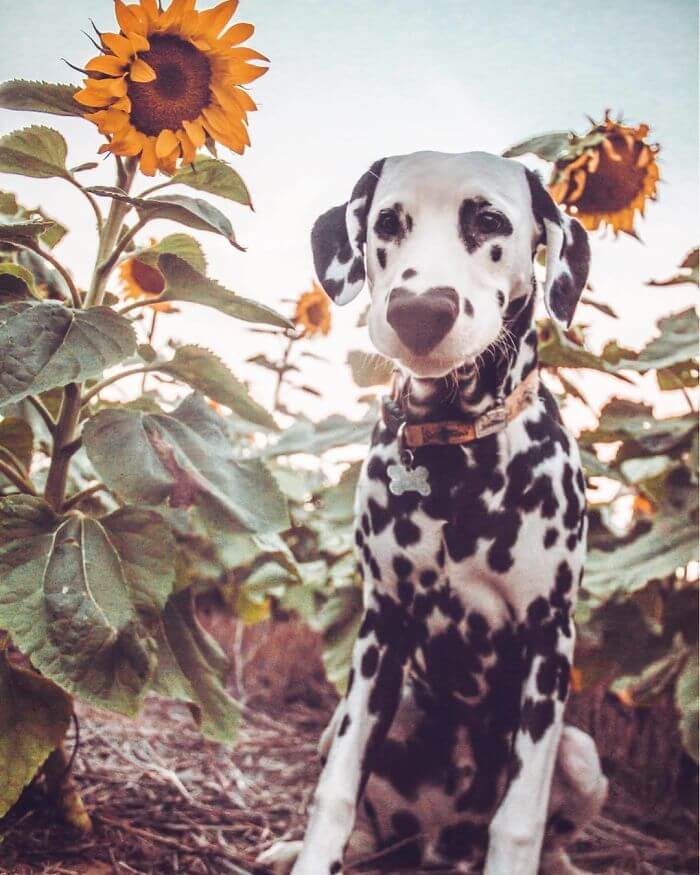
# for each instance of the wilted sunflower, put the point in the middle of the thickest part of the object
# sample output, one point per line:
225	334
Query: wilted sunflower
313	312
607	175
140	280
169	81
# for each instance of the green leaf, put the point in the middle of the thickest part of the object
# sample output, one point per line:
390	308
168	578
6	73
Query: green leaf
215	177
74	591
206	373
16	230
653	551
687	702
192	668
35	151
185	459
369	369
17	437
634	423
47	345
34	716
677	342
190	211
48	97
182	245
549	146
16	283
185	283
315	438
339	621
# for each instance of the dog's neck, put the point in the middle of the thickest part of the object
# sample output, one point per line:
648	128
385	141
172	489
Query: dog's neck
465	393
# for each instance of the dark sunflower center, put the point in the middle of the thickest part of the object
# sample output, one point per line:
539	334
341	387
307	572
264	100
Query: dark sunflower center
615	184
315	314
180	90
147	278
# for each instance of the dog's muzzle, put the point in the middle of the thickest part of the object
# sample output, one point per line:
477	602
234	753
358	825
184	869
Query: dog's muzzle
421	321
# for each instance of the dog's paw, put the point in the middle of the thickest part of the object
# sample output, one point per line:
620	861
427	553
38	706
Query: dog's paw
280	857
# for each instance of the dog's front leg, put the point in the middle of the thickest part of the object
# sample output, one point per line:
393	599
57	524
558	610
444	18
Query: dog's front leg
370	707
517	830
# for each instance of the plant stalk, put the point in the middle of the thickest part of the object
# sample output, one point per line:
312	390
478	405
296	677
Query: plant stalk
63	447
63	791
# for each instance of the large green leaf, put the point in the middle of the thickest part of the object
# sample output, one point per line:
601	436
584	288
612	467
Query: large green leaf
40	97
206	373
668	541
34	151
182	245
16	436
688	703
634	423
315	438
21	228
34	716
339	620
75	591
191	211
184	459
676	342
215	177
369	369
16	284
185	283
546	146
46	345
192	668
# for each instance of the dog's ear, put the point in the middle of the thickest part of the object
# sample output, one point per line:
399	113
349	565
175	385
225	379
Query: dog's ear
338	240
568	253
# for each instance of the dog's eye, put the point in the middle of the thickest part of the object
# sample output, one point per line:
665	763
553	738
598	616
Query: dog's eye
490	223
388	224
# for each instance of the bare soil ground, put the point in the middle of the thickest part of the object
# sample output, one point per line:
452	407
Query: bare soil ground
165	801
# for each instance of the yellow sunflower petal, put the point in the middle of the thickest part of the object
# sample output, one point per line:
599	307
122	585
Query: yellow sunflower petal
118	45
150	9
239	33
195	132
123	104
213	21
138	43
244	73
91	98
130	18
140	71
188	149
149	161
166	143
107	64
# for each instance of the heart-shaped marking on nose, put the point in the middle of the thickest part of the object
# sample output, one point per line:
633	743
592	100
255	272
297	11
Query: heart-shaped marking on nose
421	321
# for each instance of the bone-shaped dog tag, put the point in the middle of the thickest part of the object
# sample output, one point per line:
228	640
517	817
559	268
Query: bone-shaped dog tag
402	479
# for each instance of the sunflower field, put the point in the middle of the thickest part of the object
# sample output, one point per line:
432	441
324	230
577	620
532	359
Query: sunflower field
139	538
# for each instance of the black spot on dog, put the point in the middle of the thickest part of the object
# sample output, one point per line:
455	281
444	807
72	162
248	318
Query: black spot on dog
359	538
408	274
472	229
427	578
344	725
405	592
370	660
550	537
379	516
537	717
462	840
501	298
496	253
336	867
374	568
406	532
351	681
403	567
572	541
381	257
468	307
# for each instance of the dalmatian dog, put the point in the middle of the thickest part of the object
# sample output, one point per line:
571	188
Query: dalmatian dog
449	752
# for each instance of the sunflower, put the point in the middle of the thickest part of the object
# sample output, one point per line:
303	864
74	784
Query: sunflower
140	280
170	81
606	176
313	312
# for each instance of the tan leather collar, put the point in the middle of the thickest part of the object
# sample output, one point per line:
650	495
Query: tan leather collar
421	434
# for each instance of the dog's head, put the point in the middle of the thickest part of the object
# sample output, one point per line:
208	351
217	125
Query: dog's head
446	243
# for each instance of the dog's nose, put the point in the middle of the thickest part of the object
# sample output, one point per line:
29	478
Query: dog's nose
421	321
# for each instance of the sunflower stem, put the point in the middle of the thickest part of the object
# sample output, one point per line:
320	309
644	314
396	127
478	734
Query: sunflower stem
16	478
143	302
43	412
64	446
158	187
110	235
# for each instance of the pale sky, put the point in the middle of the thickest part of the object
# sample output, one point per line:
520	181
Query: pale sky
354	80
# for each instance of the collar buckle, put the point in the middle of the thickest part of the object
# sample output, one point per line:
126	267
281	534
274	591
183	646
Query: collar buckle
494	420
